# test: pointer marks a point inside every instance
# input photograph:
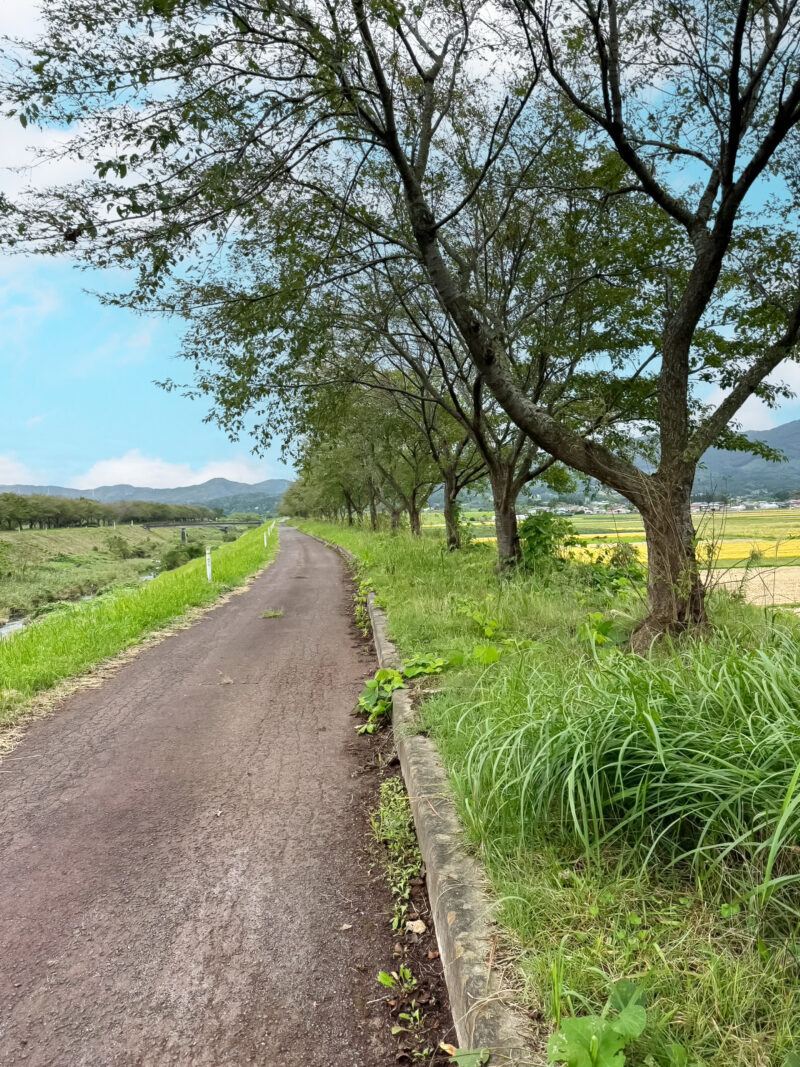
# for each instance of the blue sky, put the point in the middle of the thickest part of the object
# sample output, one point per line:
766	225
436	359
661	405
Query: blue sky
78	404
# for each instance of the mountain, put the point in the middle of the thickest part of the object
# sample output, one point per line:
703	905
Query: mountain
742	474
217	492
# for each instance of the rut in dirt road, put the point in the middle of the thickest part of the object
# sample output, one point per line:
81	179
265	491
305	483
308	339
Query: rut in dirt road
181	848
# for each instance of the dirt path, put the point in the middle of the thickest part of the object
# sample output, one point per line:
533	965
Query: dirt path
765	585
181	849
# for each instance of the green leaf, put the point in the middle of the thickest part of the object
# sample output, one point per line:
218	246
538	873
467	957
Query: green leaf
625	991
630	1022
587	1042
486	654
386	979
476	1057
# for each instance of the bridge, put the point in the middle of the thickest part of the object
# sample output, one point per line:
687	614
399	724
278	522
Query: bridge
221	524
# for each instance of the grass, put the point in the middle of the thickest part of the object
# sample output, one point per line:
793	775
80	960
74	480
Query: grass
67	643
40	568
638	818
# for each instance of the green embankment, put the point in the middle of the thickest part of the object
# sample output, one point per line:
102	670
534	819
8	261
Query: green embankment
67	643
638	818
39	568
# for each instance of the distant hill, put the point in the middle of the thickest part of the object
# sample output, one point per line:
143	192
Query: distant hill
742	474
218	492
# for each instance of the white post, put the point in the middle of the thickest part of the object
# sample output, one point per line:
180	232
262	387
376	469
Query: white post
265	539
208	563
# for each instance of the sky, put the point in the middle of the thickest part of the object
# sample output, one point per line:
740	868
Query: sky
78	403
79	406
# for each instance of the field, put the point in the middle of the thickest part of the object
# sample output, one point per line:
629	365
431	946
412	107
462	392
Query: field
738	541
65	643
638	818
40	568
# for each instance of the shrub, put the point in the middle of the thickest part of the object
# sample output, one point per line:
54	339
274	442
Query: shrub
180	554
120	549
542	537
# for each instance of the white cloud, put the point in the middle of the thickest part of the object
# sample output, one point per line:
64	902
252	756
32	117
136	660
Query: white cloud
20	19
34	420
12	472
134	468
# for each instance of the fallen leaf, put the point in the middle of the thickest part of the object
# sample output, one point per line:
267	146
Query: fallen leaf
416	926
449	1049
346	926
433	955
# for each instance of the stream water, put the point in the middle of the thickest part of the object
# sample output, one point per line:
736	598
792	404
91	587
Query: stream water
13	626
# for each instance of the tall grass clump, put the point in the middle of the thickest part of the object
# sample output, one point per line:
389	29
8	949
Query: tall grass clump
69	642
690	758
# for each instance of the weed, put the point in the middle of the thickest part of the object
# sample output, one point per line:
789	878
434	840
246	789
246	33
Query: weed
180	554
599	1040
402	979
376	698
393	829
543	537
277	614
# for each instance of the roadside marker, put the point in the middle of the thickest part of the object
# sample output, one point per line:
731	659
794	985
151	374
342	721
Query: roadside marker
208	563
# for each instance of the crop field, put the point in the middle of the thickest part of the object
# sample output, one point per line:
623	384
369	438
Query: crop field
40	569
734	540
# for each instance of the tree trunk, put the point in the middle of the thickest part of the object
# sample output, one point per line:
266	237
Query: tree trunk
415	520
373	513
676	596
452	532
395	520
509	552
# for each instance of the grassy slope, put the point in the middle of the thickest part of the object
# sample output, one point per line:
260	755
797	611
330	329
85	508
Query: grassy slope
67	643
41	567
722	987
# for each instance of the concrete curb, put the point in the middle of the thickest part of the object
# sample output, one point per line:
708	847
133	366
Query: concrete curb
483	1011
461	907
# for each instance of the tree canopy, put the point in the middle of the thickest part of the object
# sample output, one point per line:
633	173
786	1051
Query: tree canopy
605	159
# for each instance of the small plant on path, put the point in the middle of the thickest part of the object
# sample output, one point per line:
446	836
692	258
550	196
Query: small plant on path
393	830
376	698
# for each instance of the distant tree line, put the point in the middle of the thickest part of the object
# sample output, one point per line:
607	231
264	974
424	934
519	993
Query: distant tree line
54	512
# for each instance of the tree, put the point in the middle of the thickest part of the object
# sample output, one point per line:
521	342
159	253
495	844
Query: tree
396	122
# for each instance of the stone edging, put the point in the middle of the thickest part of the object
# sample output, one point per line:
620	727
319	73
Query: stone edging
482	1012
